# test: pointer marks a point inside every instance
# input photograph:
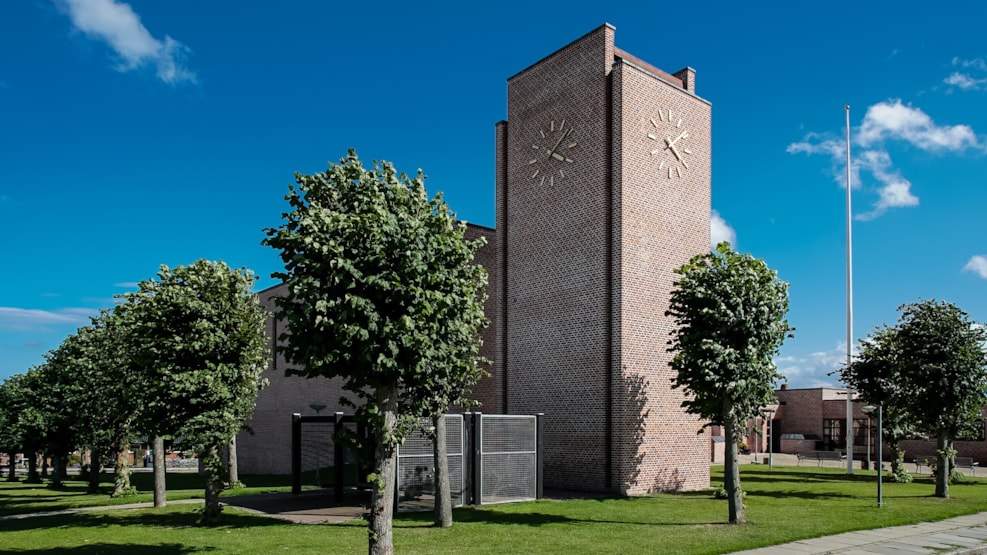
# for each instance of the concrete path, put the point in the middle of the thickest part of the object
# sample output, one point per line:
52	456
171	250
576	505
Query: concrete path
966	535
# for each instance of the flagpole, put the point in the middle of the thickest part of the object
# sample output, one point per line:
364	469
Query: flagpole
849	301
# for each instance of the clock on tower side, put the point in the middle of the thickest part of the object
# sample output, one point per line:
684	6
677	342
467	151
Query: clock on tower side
662	184
553	201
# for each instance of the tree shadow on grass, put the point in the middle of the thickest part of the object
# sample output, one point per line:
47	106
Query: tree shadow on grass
134	517
748	476
466	515
121	548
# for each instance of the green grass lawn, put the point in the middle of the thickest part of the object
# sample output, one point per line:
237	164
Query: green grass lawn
785	504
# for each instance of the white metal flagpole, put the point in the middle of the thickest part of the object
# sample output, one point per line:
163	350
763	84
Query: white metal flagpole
849	301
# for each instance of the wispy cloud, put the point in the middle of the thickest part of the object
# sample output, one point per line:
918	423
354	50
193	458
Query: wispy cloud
117	25
972	75
886	123
720	230
29	320
127	284
977	265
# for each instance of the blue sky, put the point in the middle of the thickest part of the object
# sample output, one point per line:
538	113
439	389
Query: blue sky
146	133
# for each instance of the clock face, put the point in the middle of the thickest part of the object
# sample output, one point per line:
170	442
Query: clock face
552	153
669	140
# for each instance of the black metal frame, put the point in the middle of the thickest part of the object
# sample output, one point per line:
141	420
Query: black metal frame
473	461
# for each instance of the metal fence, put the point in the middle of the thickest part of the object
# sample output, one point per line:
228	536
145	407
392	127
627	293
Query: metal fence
509	465
492	459
416	467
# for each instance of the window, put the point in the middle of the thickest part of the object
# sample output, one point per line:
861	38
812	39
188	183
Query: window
833	436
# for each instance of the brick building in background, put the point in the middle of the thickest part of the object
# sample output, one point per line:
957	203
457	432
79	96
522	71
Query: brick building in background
603	177
814	419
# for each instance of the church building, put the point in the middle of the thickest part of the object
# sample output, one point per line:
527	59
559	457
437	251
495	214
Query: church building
602	190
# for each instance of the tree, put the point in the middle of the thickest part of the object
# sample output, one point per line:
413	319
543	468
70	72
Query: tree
198	338
13	399
876	374
106	415
944	369
381	291
729	311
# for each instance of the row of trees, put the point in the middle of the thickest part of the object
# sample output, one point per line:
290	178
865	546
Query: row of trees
928	373
182	356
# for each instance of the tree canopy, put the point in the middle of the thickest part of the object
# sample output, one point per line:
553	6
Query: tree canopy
199	341
729	311
382	291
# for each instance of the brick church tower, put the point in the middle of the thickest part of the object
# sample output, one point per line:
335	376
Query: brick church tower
603	189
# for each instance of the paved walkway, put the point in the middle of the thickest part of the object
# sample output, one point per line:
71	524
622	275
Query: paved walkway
965	535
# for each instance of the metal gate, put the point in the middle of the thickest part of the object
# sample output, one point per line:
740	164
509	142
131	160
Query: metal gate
509	466
416	468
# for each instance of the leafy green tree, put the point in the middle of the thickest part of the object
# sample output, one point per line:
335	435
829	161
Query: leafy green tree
944	370
58	395
381	291
106	415
729	311
197	335
876	374
13	399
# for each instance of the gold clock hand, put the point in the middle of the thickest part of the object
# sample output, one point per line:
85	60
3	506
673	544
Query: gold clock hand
675	151
682	135
551	151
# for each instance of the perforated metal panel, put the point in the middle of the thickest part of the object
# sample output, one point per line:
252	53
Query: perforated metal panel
509	458
416	468
317	454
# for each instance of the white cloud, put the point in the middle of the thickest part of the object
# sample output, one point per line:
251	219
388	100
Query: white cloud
117	25
894	121
978	63
883	123
26	320
814	369
964	81
127	284
977	265
720	230
895	190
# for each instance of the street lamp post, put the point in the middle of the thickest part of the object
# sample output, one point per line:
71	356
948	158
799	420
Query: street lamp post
318	407
880	439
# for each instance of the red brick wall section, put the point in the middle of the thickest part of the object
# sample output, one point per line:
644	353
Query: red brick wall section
556	240
488	391
660	223
589	259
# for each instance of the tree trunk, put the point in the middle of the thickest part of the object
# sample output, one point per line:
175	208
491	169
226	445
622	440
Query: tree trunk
32	468
95	465
158	453
212	465
233	471
942	476
44	464
731	470
58	463
11	468
385	462
121	470
443	497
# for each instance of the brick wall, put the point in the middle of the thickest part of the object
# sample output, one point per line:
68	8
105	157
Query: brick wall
660	222
588	261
